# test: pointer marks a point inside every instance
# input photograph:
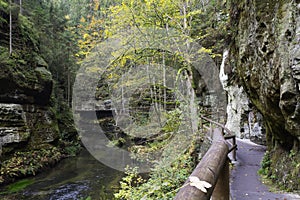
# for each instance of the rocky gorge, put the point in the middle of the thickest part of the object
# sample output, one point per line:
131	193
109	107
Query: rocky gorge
262	65
260	73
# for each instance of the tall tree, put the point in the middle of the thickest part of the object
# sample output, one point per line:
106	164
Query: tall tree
10	27
21	9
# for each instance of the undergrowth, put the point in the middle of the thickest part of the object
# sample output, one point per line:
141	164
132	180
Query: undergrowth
164	182
23	164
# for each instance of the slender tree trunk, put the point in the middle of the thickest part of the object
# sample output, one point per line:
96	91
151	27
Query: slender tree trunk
21	12
122	94
156	104
69	89
10	27
191	103
164	80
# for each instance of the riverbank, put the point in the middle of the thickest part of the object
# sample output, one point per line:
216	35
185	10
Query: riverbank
73	178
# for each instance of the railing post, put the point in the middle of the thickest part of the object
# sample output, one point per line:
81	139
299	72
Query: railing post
221	191
234	150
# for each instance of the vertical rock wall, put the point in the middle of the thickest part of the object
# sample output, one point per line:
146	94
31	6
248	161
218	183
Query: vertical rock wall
31	124
237	100
244	120
265	56
25	115
32	135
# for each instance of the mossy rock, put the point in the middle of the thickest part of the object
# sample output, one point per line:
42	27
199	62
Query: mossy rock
282	169
18	186
19	84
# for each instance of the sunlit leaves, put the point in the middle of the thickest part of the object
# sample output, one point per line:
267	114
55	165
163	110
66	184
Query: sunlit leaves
90	33
157	13
82	20
67	17
86	23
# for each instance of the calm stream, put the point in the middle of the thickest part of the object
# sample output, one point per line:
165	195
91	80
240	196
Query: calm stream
73	178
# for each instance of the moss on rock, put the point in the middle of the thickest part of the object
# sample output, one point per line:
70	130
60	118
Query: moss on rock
264	52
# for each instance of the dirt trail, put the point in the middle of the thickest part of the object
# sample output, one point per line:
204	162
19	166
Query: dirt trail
245	182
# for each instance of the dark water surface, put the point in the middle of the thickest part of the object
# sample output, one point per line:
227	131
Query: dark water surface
80	177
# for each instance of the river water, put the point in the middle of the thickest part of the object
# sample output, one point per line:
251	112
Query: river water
81	177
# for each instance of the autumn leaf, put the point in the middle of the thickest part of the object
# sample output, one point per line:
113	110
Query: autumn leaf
201	185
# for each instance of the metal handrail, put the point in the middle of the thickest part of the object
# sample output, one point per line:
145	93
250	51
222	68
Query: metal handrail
227	136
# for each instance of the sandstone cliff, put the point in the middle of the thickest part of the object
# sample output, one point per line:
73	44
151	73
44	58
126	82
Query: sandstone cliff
33	133
264	59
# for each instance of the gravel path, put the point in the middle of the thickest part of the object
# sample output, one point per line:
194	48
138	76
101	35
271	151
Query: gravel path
245	182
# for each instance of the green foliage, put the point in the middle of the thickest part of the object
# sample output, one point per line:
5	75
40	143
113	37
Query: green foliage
88	198
72	150
54	43
25	38
292	153
3	8
3	5
281	169
28	163
164	182
131	180
265	164
29	32
4	57
157	13
206	22
173	120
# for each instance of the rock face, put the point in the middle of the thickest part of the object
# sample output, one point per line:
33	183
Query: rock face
24	111
265	56
242	118
13	128
21	85
238	101
32	135
31	124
